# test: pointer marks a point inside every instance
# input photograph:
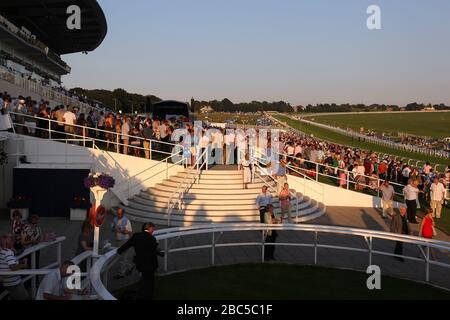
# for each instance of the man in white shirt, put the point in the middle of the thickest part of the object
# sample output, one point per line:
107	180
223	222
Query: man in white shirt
262	200
54	285
411	193
405	174
387	198
437	190
69	120
122	229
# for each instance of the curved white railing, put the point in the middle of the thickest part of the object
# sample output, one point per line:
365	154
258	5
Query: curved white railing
215	230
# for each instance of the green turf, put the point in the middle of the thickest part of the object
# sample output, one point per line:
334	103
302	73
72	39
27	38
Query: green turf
426	124
335	137
285	282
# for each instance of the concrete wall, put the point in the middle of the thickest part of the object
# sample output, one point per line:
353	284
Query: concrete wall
131	174
334	196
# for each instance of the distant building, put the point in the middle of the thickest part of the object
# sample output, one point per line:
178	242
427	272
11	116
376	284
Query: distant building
429	108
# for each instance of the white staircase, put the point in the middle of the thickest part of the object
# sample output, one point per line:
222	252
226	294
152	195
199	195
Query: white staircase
218	197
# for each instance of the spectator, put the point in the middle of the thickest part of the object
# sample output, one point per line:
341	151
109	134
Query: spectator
31	236
399	224
86	238
387	198
262	200
18	226
285	203
411	193
121	227
69	120
437	190
146	248
8	262
53	286
126	128
246	171
271	235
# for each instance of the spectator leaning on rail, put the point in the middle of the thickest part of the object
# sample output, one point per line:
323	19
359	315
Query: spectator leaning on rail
437	190
121	227
399	224
8	262
146	259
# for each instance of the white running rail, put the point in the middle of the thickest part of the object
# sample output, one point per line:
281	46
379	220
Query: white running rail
367	246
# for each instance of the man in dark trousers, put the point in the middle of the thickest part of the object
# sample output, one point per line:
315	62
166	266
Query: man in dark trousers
271	235
146	248
399	224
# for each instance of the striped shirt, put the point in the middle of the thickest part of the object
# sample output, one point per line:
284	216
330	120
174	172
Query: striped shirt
7	259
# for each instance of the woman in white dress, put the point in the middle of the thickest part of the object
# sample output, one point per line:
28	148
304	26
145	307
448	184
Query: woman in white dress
246	171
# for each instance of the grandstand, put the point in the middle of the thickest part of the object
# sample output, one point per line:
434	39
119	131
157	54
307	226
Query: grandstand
203	202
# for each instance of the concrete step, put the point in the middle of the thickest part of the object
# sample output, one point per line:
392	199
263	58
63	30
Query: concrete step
206	196
144	204
211	191
220	185
219	201
223	180
203	216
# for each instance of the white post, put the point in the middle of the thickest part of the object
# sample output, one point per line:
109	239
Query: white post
99	193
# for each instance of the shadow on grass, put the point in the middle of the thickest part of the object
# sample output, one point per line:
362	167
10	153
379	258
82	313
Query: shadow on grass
282	282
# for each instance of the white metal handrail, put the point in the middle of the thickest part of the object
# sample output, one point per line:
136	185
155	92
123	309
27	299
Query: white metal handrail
118	136
368	237
177	196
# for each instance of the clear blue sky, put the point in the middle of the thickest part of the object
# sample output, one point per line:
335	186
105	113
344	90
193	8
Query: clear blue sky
300	51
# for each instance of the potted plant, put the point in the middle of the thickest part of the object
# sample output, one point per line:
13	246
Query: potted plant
22	204
78	208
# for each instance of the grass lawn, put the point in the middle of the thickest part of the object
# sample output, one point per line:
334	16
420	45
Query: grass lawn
283	282
335	137
428	124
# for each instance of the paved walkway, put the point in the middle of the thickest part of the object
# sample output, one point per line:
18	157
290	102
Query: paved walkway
366	218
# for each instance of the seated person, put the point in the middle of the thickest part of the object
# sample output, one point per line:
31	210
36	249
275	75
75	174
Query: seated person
54	285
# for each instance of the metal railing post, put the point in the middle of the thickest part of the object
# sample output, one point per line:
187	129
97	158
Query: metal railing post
166	255
49	129
150	149
348	180
167	169
117	143
370	250
315	246
296	209
427	268
317	172
33	279
213	249
262	246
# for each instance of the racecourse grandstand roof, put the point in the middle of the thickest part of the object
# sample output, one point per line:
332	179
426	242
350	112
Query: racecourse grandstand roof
47	19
